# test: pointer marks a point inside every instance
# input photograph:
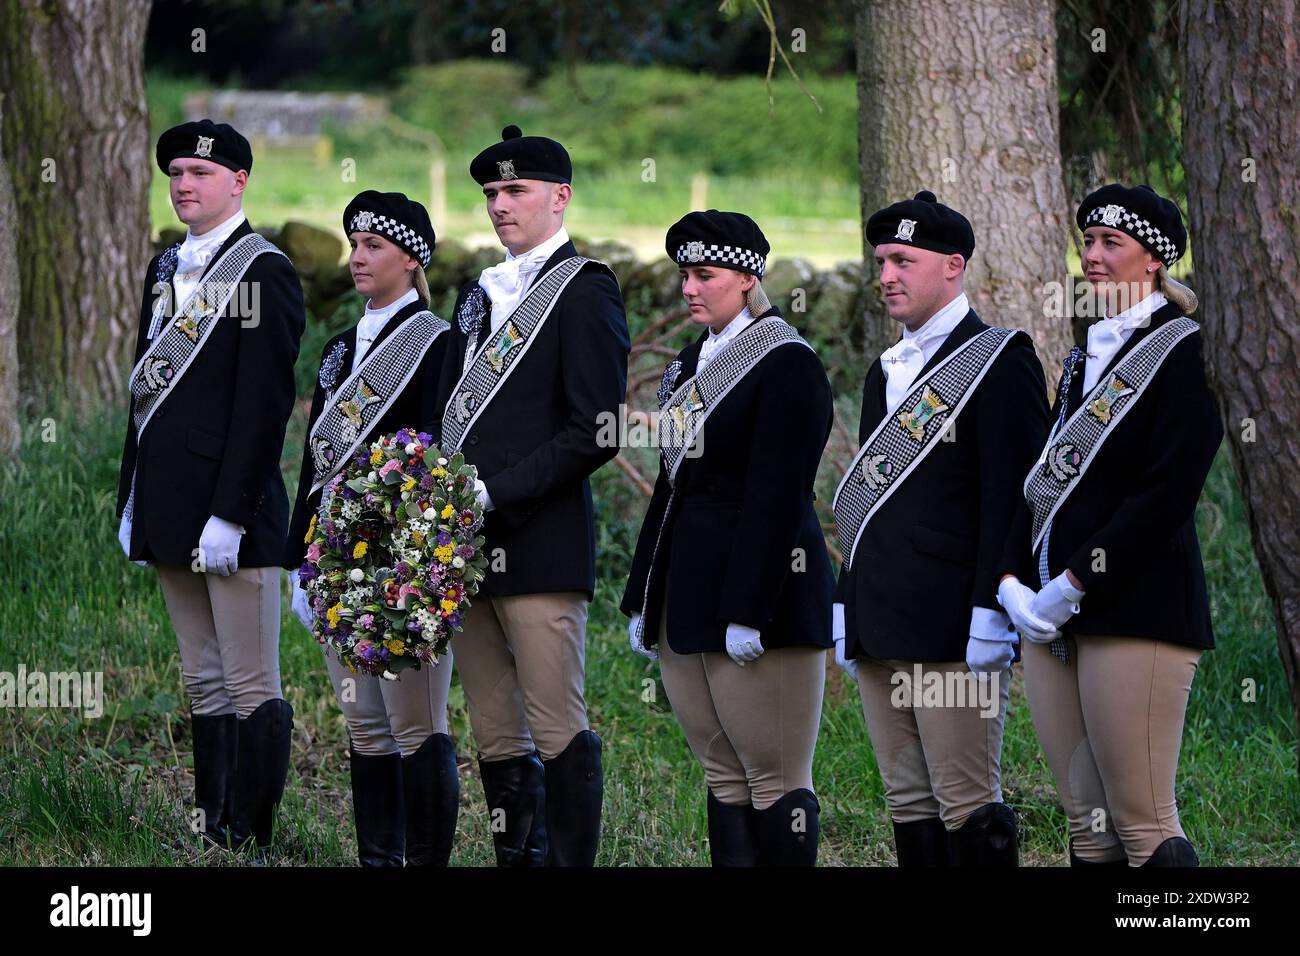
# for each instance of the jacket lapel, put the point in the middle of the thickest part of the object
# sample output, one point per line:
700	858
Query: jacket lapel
1166	313
969	327
244	230
394	320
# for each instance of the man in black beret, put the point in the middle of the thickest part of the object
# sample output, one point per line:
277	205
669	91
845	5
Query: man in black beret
200	494
952	417
536	364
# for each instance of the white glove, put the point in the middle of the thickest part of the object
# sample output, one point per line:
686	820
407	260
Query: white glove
1058	601
990	657
638	645
837	632
301	604
219	546
743	644
1017	600
484	499
124	539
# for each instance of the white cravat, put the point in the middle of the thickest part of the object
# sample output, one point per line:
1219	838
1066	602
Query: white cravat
506	283
718	340
373	322
196	253
1107	337
902	361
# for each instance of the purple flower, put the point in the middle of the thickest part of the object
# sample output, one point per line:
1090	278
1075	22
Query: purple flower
453	619
414	625
307	572
444	538
349	494
424	438
427	483
403	437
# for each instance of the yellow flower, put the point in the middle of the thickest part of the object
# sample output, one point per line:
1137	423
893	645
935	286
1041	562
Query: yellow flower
376	456
408	484
449	606
311	530
447	512
417	537
443	554
332	615
395	646
360	550
438	472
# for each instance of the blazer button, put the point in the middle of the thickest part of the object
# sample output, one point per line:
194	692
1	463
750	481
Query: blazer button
473	439
160	413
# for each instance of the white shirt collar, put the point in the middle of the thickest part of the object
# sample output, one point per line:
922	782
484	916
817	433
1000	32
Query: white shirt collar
718	340
214	236
388	311
536	257
1139	315
939	325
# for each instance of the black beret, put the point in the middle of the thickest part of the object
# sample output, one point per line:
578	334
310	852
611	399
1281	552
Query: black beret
522	157
925	223
1142	213
219	143
403	221
728	239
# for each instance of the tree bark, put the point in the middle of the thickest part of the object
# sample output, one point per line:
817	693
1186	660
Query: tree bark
963	102
76	140
10	295
1240	65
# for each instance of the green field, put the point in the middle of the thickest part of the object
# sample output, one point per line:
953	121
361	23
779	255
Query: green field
115	790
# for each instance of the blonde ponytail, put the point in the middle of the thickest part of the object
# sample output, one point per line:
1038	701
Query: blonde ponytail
421	283
756	299
1177	293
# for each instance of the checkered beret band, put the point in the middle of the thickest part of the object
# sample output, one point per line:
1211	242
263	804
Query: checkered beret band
400	233
729	257
1137	227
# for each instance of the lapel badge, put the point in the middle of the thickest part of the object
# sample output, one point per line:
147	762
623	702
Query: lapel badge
203	147
1063	461
361	399
465	403
876	471
928	407
905	229
157	374
189	325
323	452
508	339
1102	407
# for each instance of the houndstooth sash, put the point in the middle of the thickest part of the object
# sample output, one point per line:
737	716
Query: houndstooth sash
170	355
1072	448
368	393
909	432
682	418
502	351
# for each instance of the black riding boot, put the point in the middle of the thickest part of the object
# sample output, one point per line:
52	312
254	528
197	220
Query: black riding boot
733	833
432	788
921	843
515	789
377	808
260	771
1175	851
215	751
788	830
987	838
575	789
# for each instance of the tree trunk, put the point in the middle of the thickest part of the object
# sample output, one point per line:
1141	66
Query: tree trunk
11	432
963	102
76	139
1240	65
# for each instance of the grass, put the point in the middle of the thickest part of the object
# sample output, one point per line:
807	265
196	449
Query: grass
115	790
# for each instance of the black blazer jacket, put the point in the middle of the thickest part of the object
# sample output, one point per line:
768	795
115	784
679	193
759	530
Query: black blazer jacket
741	543
213	446
538	441
933	551
1128	530
406	411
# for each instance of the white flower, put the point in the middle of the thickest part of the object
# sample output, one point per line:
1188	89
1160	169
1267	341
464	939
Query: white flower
442	461
357	575
458	562
410	448
373	476
430	514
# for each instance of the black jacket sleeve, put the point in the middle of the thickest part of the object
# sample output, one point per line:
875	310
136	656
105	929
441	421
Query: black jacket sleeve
634	593
1006	453
129	442
264	390
792	421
